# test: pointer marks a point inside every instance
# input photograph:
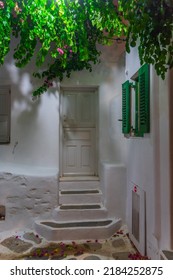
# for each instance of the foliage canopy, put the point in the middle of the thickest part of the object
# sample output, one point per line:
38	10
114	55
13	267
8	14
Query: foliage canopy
66	33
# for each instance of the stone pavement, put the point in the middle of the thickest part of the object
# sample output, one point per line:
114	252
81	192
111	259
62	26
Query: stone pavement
29	246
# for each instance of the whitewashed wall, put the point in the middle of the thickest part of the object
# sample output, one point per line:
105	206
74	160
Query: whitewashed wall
33	151
148	161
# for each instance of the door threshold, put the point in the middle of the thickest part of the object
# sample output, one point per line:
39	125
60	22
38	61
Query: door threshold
78	178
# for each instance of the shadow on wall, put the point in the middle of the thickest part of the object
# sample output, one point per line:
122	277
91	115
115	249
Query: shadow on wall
28	117
22	85
32	121
21	81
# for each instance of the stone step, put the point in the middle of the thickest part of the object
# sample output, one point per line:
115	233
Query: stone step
78	212
77	230
81	183
80	192
80	206
80	196
78	178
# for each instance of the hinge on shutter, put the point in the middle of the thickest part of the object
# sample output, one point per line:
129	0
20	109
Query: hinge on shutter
132	85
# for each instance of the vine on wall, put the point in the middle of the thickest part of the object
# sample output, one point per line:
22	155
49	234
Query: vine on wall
151	22
66	33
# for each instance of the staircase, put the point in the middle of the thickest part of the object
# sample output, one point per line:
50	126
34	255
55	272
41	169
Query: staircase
80	214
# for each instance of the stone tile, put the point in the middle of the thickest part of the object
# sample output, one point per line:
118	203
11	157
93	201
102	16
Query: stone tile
92	257
16	245
117	247
36	258
31	236
121	255
94	246
118	243
58	257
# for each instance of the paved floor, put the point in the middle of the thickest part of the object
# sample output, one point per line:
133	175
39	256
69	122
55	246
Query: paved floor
28	245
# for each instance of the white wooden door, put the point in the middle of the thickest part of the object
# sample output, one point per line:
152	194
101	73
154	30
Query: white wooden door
79	132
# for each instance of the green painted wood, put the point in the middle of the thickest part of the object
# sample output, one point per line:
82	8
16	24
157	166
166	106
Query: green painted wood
144	92
126	107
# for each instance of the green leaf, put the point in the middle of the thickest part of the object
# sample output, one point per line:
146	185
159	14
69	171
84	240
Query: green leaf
78	26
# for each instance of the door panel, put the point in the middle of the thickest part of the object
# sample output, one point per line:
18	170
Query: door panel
78	151
69	110
79	109
79	133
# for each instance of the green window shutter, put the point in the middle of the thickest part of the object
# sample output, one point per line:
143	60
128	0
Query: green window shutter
4	114
126	107
144	110
136	108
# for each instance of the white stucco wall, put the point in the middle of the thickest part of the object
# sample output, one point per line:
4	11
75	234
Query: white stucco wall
148	161
35	125
33	151
26	198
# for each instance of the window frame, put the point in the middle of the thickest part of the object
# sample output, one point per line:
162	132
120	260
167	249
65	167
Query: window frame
6	112
140	86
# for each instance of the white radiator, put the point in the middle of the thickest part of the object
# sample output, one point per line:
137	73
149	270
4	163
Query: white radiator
137	230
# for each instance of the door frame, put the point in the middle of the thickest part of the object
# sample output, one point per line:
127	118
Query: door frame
94	90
